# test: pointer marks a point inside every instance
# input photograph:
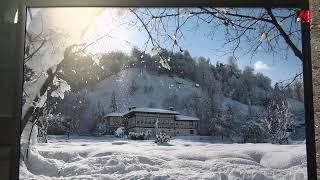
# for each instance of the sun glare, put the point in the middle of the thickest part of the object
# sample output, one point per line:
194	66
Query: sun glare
75	21
106	32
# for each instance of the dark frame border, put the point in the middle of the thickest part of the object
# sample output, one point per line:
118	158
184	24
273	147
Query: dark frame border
167	3
306	50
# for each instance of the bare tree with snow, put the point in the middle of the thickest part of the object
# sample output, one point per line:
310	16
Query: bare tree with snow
277	121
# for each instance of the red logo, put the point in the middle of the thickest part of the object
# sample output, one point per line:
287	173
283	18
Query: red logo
303	16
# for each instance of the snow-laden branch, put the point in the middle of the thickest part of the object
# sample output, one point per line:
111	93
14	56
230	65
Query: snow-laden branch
285	36
239	26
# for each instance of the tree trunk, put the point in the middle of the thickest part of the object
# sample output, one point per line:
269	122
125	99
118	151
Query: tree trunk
315	58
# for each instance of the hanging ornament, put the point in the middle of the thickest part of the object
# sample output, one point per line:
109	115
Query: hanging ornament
303	16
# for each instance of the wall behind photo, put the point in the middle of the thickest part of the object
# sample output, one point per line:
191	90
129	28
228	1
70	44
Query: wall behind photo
315	58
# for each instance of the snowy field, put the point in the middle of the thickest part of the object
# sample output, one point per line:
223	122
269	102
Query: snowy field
184	158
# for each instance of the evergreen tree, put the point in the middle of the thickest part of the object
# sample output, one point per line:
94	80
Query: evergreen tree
133	87
232	62
113	106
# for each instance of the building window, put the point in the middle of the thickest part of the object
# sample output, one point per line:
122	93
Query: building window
191	131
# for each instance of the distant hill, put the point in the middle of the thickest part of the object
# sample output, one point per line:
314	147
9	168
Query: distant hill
141	88
137	87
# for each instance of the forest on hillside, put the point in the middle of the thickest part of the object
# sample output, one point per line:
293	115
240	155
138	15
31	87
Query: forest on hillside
253	89
246	86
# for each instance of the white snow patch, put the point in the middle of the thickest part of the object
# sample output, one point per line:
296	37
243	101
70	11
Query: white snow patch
63	87
112	158
114	114
184	12
155	51
154	110
188	118
265	37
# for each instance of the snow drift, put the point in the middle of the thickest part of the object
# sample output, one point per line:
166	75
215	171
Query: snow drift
107	158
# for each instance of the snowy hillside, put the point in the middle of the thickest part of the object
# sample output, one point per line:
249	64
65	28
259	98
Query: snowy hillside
184	158
141	88
137	87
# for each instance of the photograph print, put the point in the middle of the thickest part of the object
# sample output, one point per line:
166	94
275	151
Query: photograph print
163	93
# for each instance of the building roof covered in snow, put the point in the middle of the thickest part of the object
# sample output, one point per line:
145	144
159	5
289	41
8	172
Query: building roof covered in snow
133	110
151	110
186	118
114	114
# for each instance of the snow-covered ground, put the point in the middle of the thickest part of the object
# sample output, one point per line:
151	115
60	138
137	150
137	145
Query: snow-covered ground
184	158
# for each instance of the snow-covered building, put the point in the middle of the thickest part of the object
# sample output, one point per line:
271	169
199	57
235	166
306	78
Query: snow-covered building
146	119
113	121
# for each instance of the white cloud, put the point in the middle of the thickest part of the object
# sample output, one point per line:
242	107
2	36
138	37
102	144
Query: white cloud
260	66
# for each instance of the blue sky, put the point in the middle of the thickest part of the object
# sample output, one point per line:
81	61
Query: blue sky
277	67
